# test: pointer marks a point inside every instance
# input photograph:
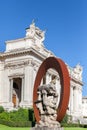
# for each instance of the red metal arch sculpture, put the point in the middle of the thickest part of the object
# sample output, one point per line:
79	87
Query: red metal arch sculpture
60	67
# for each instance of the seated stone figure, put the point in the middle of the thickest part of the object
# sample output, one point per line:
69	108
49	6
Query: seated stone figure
47	104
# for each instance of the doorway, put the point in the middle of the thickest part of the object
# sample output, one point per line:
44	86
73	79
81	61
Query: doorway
16	93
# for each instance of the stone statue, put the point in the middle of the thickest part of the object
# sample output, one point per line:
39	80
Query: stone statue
47	104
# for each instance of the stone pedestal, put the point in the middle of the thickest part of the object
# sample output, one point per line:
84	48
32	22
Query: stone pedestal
47	128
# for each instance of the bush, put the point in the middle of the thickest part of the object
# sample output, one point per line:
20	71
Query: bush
5	116
18	118
31	114
65	119
20	115
16	124
83	125
1	109
66	122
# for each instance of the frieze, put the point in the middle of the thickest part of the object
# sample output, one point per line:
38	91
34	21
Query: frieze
14	65
21	64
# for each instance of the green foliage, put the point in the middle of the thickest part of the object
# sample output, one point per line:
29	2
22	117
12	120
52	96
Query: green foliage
1	109
20	115
17	118
66	122
70	125
16	124
65	119
4	116
31	114
75	125
83	125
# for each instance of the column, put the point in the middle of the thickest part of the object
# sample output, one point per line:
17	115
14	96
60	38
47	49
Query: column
22	90
11	89
1	81
75	99
28	87
71	99
35	68
80	100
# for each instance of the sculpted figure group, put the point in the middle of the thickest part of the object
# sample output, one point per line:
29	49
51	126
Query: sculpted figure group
47	104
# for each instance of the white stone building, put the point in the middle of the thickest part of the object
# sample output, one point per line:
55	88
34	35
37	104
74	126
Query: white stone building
84	107
18	68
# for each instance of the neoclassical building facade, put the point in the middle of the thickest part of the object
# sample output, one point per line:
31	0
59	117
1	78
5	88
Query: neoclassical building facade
19	65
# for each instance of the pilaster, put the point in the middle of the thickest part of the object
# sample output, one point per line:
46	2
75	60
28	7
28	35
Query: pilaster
22	90
75	98
71	105
28	90
1	81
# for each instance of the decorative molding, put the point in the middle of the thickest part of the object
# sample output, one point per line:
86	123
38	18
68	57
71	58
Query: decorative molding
16	75
76	81
29	51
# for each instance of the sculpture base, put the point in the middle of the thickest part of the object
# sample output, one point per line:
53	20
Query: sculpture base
46	128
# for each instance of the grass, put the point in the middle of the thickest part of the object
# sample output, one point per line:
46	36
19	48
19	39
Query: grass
3	127
74	128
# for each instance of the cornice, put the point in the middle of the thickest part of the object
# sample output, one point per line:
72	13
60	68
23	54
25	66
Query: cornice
76	81
84	97
23	51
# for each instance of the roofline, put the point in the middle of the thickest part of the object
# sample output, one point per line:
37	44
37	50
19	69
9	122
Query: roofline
16	40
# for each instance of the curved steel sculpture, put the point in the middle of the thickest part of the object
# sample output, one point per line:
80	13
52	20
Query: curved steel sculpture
60	67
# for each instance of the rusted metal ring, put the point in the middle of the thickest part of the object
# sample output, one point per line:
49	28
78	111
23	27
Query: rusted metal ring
61	68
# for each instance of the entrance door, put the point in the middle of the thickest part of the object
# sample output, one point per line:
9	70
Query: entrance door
14	100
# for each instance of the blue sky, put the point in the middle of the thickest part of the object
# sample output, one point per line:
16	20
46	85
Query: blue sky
65	22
